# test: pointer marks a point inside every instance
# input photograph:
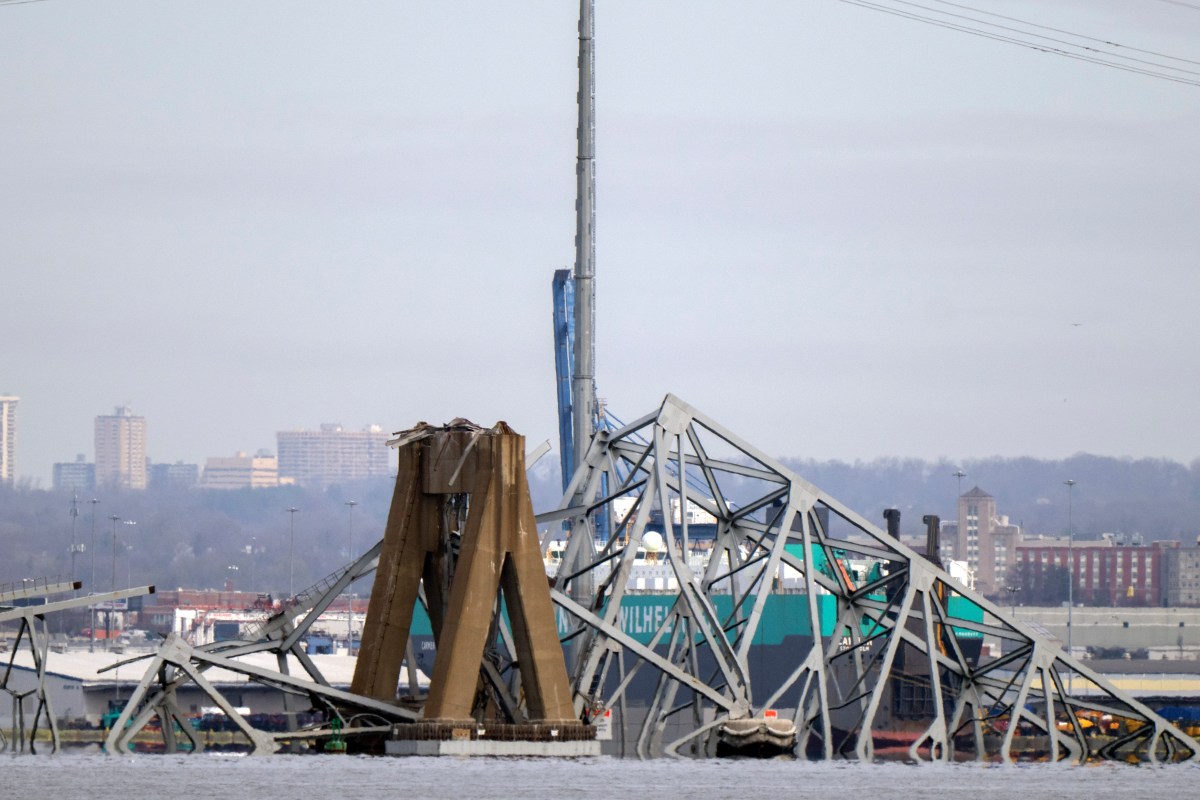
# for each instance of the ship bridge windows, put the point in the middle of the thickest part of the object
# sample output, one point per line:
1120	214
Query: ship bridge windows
911	700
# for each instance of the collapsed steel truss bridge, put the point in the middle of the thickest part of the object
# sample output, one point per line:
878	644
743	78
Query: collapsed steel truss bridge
177	663
886	664
905	630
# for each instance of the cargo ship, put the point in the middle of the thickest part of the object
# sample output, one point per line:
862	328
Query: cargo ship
782	640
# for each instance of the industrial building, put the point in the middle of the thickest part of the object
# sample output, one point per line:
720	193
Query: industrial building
79	690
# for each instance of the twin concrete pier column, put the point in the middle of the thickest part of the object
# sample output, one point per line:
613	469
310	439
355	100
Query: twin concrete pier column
462	521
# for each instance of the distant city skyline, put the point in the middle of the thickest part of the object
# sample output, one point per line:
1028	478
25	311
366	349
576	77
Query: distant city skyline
73	466
841	234
327	454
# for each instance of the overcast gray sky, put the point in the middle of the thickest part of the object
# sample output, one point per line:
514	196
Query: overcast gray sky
840	233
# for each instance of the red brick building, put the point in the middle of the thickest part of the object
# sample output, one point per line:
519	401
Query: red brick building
1105	572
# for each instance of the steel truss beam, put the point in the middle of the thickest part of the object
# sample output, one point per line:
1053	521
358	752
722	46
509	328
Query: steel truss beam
35	629
177	663
891	666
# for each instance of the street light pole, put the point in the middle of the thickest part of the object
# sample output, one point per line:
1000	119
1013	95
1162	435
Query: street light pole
128	548
1070	484
76	549
959	533
350	597
92	583
291	550
74	517
112	586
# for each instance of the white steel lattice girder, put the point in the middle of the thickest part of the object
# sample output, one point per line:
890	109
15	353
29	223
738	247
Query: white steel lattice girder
34	626
905	629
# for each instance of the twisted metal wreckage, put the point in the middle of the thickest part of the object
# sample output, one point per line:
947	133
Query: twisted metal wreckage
177	663
898	628
34	630
906	626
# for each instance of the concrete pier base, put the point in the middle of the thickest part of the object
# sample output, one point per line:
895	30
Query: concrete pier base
567	740
489	747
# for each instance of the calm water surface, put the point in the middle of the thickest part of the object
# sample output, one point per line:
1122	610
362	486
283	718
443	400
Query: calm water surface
209	777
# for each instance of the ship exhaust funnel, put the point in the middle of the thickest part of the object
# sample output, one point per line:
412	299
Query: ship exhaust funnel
892	515
933	530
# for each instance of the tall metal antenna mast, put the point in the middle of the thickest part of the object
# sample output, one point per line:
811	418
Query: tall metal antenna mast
583	382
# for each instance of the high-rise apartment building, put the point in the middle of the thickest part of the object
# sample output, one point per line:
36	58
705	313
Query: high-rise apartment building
332	454
8	437
986	541
121	450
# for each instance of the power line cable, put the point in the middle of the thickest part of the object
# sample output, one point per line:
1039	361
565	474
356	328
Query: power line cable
1042	36
1192	6
1070	33
1019	42
1093	59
